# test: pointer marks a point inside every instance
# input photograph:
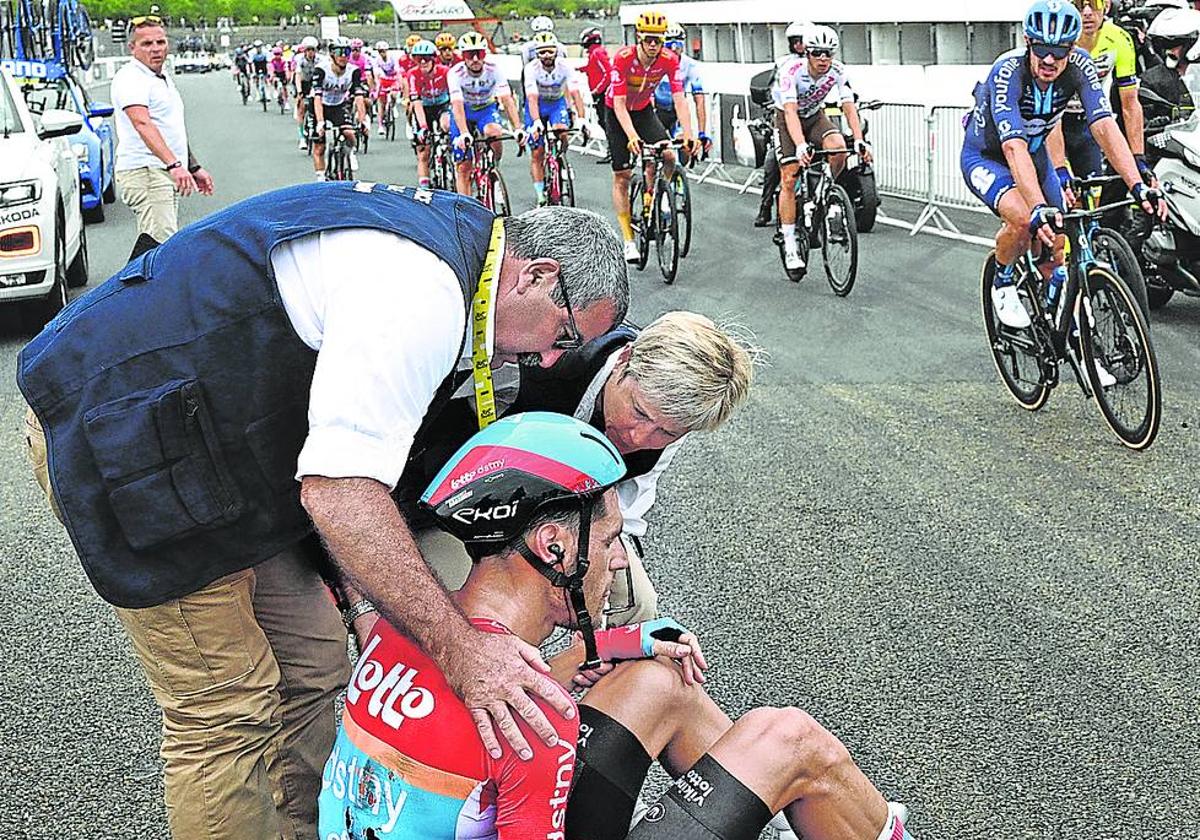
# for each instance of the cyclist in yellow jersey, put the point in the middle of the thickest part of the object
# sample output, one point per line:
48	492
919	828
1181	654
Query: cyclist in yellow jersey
1115	57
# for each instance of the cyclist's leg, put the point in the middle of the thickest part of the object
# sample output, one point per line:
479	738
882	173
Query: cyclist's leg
488	123
769	760
537	151
464	162
788	170
828	136
622	166
668	119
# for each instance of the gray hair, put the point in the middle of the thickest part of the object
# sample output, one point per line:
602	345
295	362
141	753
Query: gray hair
590	259
693	370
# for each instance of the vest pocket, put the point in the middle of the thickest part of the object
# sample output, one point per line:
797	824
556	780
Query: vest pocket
162	464
275	442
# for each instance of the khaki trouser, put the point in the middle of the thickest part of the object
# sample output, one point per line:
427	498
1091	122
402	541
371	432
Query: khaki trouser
245	672
447	557
150	193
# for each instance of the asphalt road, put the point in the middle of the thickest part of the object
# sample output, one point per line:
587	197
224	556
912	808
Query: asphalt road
996	611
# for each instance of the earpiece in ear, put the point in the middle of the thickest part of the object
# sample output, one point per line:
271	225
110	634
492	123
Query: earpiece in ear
556	550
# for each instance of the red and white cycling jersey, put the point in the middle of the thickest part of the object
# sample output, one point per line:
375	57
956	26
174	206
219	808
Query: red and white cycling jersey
636	82
408	763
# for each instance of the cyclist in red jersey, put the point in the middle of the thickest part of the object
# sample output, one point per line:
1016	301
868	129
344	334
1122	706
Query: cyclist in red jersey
429	102
533	496
636	72
447	54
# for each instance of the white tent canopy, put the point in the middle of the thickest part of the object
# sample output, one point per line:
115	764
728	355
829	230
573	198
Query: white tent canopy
407	10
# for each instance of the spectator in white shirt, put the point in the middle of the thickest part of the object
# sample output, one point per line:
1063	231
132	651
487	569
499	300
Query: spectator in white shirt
154	163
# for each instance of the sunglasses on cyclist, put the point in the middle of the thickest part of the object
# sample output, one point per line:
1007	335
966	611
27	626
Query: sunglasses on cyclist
340	51
573	338
1057	51
471	55
549	53
1095	5
651	39
143	20
819	53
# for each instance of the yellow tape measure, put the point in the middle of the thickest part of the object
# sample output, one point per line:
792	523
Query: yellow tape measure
481	306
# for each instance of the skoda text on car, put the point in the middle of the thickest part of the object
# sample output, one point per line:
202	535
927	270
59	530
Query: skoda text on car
43	247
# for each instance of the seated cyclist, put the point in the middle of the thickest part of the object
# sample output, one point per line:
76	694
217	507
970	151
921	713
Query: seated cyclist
281	72
664	103
1115	57
429	102
388	73
532	495
1006	161
302	73
552	102
260	61
447	54
338	98
636	72
477	86
803	125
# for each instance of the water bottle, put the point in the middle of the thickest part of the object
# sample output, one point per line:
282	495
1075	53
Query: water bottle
808	214
1054	284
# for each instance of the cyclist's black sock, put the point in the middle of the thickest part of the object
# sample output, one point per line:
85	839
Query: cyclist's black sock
610	768
705	803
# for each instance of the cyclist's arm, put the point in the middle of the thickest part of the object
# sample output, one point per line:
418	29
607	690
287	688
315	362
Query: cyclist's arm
1116	150
1020	164
531	796
1056	147
623	118
577	100
791	118
418	109
510	108
1131	110
314	86
851	112
460	115
684	113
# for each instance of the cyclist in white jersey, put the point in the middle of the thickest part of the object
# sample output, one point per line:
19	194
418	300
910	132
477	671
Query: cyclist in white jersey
476	86
552	102
338	96
802	124
305	62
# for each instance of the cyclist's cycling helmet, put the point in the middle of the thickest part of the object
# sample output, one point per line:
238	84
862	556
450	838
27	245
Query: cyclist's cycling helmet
444	40
472	41
821	38
382	45
674	35
651	23
541	23
498	482
308	42
1053	22
797	30
423	49
591	36
276	50
544	40
340	46
356	44
258	44
412	40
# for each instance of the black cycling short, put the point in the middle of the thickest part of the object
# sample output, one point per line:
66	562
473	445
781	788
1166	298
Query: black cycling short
260	68
340	115
668	118
433	113
647	126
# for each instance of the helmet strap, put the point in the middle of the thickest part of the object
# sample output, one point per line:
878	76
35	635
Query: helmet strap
573	582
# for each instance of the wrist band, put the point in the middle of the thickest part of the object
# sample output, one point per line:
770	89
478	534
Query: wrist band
195	168
357	611
174	165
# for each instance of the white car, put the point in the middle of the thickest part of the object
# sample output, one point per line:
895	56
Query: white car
43	248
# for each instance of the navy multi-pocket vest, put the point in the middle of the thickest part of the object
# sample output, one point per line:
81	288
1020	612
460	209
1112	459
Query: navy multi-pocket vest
174	396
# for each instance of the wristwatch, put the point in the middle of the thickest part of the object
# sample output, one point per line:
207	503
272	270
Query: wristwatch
356	611
174	165
194	168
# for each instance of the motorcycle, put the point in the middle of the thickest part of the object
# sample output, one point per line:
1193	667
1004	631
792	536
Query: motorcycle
1170	254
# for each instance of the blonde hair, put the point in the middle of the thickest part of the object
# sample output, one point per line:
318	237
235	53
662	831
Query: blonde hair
693	370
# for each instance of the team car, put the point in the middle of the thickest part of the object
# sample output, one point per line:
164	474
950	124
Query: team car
43	246
94	146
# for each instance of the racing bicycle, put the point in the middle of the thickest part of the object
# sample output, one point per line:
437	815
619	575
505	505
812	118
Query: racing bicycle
654	211
337	154
1095	326
824	219
388	115
244	86
261	82
560	176
441	158
487	182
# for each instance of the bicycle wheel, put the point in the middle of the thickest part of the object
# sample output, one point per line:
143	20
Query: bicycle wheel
1017	353
501	206
262	96
1114	249
839	241
245	85
566	177
683	203
666	229
639	219
553	184
1114	339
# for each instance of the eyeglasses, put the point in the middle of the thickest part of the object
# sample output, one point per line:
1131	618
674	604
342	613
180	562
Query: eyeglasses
340	51
814	53
653	40
471	55
144	20
1095	5
1058	51
547	53
574	340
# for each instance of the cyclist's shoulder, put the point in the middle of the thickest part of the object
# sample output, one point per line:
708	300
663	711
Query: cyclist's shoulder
1008	65
1112	38
624	56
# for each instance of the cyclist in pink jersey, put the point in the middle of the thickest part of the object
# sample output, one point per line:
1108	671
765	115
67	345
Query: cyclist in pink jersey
532	495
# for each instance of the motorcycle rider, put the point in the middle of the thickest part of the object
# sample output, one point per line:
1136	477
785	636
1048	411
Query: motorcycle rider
1175	35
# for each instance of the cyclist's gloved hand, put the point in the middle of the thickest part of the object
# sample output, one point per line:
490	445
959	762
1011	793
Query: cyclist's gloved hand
636	641
422	136
1150	199
1043	222
1066	183
1145	169
519	134
634	145
461	141
804	154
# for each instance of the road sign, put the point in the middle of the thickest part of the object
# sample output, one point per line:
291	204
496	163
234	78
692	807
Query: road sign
330	28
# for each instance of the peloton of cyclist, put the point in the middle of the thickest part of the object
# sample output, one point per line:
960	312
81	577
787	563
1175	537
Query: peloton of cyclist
388	73
1006	161
338	97
1115	57
429	98
802	125
551	87
476	86
664	103
636	72
533	497
446	53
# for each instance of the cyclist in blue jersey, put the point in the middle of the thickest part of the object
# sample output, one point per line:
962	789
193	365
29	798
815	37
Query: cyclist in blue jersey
1005	160
664	105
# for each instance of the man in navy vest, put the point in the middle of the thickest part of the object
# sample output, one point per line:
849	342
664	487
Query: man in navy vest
264	371
646	391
